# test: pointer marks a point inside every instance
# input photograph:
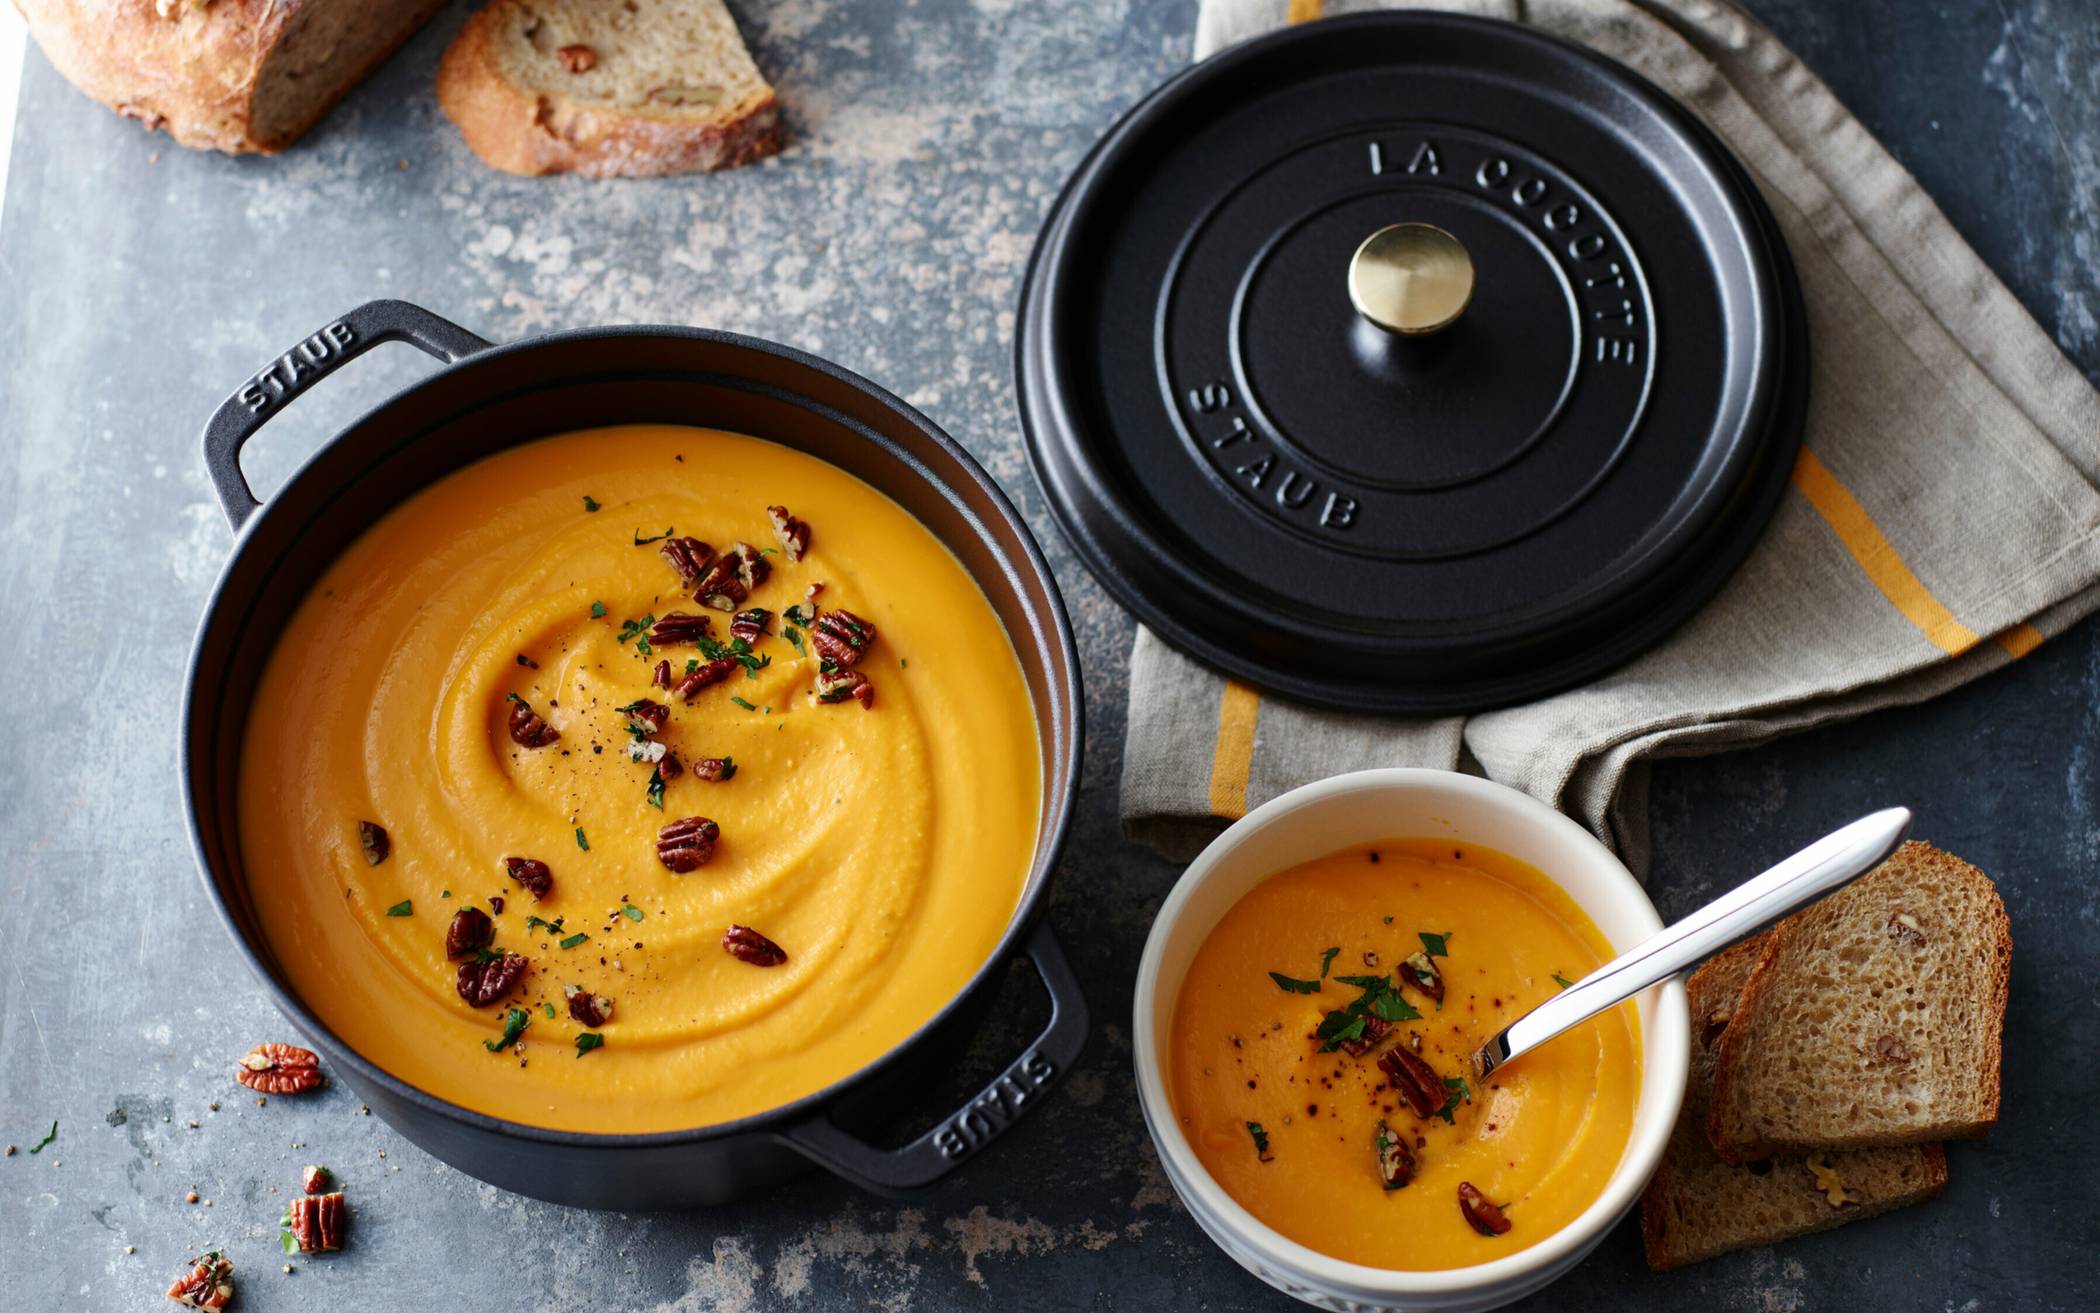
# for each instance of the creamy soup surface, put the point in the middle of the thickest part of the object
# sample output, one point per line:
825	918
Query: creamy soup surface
881	848
1283	1073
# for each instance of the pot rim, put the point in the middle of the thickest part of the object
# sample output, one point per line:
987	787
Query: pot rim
1057	815
1664	1038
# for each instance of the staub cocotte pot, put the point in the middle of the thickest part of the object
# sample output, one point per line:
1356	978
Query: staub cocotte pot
489	398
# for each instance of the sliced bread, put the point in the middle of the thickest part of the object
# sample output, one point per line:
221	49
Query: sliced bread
1874	1018
1697	1207
633	88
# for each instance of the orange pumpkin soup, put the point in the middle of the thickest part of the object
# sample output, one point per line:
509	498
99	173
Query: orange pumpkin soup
477	676
1319	1056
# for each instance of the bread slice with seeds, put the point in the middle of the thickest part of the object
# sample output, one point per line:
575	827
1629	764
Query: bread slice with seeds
1697	1207
609	88
1875	1017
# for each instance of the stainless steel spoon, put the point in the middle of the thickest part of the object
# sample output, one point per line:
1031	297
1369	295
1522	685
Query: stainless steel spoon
1830	861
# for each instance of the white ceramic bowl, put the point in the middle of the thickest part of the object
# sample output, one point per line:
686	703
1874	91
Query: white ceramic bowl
1380	804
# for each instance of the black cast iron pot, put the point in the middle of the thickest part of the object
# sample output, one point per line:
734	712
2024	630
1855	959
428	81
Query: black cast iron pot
494	397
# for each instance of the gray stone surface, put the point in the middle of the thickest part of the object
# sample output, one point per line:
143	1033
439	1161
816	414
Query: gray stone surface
139	283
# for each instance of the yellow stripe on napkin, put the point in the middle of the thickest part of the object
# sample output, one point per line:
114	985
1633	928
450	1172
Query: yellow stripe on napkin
1877	556
1238	708
1302	11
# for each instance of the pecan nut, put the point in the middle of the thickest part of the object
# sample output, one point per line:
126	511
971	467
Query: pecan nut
842	637
1418	970
732	577
1396	1162
470	932
1904	928
687	845
487	979
535	875
680	627
527	729
279	1069
714	768
751	624
316	1180
1374	1033
704	674
662	676
207	1284
375	841
689	557
835	685
792	533
647	717
747	945
1416	1080
578	58
317	1221
669	767
1481	1215
589	1009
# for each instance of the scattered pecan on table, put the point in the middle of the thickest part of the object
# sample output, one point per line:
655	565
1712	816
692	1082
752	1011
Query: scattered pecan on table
680	627
792	533
751	624
316	1180
1396	1162
732	577
1418	970
487	979
279	1069
1416	1080
207	1284
470	932
713	768
836	685
646	716
317	1221
1481	1215
527	730
704	674
578	58
747	945
689	557
588	1008
532	873
373	838
687	845
842	637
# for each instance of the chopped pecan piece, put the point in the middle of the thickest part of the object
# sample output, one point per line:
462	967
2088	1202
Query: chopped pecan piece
207	1284
1481	1215
1371	958
662	677
799	614
704	674
714	768
527	730
578	58
470	932
588	1008
1416	1080
732	577
669	768
1904	928
1396	1162
835	685
842	637
1374	1033
279	1069
680	627
646	716
374	840
1830	1183
317	1221
752	624
687	845
1716	1022
792	533
486	980
689	557
747	945
496	904
535	875
316	1180
1420	971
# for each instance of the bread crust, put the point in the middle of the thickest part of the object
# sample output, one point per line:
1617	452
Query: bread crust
1763	978
520	131
194	75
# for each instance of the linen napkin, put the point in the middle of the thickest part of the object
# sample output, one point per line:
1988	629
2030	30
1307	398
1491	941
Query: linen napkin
1941	521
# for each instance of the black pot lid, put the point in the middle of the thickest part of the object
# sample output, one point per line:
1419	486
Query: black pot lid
1245	416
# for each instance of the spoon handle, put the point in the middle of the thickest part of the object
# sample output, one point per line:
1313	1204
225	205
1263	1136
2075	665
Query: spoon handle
1822	866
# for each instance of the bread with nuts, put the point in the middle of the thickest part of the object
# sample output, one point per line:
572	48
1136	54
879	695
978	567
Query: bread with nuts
634	88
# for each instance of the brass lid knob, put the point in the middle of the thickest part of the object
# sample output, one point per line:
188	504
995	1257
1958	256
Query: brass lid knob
1411	278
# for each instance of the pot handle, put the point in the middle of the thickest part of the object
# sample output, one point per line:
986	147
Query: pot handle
320	354
984	1118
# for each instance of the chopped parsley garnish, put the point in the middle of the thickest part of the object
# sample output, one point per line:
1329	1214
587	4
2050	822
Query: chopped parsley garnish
514	1023
403	908
587	1041
1377	999
740	702
1436	945
1327	960
444	893
1290	985
632	707
1459	1090
581	841
597	610
1562	980
637	629
1388	920
541	923
49	1136
691	664
286	1240
799	614
1261	1140
550	1011
640	541
739	649
631	912
575	939
794	637
656	788
590	504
